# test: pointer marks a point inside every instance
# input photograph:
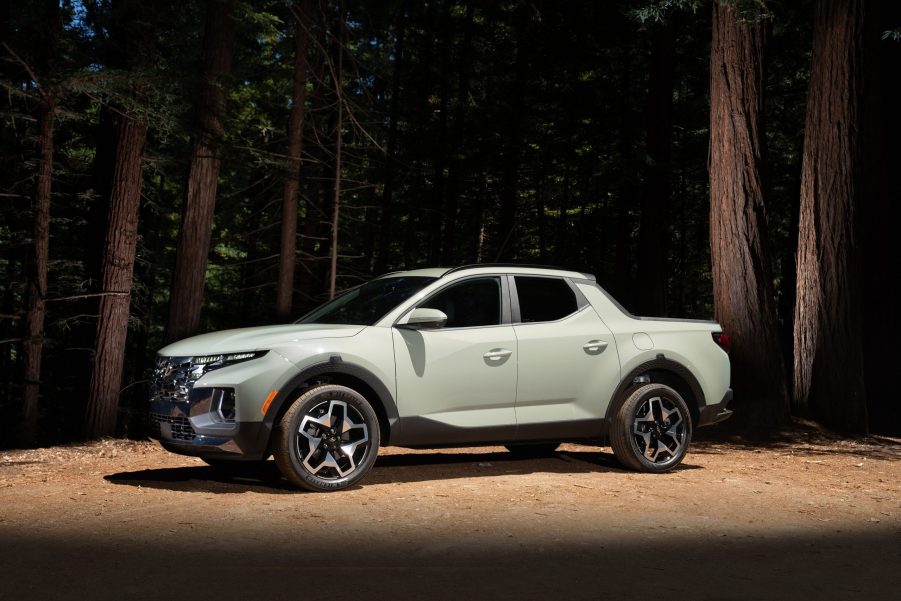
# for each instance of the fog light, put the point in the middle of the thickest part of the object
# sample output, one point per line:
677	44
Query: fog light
224	404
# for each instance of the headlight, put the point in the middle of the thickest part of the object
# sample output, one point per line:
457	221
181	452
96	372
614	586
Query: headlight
223	360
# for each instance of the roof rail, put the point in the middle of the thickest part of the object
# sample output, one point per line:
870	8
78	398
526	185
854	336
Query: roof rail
588	276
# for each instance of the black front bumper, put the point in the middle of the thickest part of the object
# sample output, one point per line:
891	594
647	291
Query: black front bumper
714	414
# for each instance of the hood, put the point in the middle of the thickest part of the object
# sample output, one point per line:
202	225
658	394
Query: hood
255	339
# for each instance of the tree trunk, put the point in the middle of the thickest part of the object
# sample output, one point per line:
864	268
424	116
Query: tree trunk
653	232
37	281
336	207
118	266
287	255
828	340
742	274
203	178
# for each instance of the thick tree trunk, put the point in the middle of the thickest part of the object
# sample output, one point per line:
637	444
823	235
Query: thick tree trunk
118	266
203	178
653	233
288	251
742	276
828	339
37	280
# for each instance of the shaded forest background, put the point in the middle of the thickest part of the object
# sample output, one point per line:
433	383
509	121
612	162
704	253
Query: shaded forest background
171	168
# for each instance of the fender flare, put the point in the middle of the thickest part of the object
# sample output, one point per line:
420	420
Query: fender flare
660	363
334	366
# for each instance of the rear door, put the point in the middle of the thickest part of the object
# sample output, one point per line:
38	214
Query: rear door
568	364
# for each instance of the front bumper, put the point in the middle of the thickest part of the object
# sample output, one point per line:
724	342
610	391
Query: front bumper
189	427
714	414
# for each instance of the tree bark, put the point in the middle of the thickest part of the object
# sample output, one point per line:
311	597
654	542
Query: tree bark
742	274
118	267
37	281
828	367
336	206
653	230
200	199
288	251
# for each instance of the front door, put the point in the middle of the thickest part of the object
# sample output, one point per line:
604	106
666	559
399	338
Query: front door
457	384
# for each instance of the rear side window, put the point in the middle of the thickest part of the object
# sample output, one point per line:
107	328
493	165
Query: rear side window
544	299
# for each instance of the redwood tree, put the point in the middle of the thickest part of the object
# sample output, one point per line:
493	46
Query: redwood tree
288	251
37	280
134	33
203	177
742	278
828	338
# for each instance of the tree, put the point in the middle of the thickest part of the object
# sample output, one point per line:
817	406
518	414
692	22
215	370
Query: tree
203	178
132	20
742	276
828	340
287	254
37	280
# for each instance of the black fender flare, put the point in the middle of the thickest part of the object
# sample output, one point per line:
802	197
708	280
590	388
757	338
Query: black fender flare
334	366
660	363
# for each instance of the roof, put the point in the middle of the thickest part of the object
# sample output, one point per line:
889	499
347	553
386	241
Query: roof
440	272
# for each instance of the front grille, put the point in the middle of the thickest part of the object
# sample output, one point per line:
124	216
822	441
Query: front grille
173	378
180	426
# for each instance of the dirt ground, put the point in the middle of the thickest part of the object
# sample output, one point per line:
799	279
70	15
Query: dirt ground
809	516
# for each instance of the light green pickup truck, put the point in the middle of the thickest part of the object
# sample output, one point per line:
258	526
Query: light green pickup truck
523	356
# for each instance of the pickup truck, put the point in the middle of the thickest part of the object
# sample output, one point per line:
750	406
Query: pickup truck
523	356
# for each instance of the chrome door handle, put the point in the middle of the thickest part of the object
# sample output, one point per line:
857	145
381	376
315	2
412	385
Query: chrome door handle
594	347
497	354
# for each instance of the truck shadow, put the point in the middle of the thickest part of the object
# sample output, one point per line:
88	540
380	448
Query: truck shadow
388	469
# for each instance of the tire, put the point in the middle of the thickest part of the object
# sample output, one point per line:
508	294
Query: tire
533	450
651	430
327	440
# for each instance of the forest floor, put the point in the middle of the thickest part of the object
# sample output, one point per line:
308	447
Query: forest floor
809	515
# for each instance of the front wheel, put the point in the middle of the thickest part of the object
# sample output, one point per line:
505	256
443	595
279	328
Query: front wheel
651	429
327	440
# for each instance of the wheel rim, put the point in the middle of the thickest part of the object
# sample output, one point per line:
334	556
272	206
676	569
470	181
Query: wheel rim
659	430
332	440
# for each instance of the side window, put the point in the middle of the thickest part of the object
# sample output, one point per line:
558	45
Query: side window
475	302
544	299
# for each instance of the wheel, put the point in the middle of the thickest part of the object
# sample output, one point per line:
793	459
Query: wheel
651	430
533	450
327	440
232	468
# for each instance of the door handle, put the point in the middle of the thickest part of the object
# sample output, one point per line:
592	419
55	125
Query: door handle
594	347
497	354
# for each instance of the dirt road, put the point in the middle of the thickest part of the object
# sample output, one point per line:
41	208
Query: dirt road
811	517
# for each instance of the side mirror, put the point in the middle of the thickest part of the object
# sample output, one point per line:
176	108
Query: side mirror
424	319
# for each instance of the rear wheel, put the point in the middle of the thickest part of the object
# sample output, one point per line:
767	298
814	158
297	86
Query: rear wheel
328	439
652	429
533	450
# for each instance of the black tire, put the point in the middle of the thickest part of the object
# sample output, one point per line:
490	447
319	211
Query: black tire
651	430
316	452
533	450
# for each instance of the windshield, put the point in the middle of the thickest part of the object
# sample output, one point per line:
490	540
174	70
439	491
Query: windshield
366	304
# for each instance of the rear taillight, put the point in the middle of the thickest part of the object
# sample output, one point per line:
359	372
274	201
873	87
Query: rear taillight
722	339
